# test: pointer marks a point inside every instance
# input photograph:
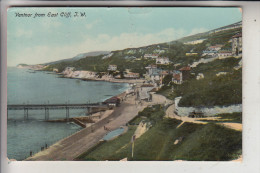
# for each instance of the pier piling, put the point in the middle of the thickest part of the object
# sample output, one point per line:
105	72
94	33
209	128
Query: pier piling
67	113
25	113
46	114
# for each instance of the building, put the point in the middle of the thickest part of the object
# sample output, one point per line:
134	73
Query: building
112	68
209	53
224	53
155	77
191	54
132	75
151	69
69	68
212	50
162	60
200	76
159	51
194	42
217	47
185	72
177	77
237	44
153	73
151	56
112	102
163	73
144	92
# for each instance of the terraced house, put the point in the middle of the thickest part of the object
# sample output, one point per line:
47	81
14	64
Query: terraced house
237	44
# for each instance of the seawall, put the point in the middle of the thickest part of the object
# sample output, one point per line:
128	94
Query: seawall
208	111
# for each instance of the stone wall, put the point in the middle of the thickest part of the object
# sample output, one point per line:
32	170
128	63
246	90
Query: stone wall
208	111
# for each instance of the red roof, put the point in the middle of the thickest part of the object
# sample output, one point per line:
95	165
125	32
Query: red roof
164	72
185	69
177	76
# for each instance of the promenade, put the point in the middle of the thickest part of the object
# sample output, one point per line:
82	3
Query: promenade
74	145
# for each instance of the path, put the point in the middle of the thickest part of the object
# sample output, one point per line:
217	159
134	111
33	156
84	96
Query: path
170	114
76	144
235	126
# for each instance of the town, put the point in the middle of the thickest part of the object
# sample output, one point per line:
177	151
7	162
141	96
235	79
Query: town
194	83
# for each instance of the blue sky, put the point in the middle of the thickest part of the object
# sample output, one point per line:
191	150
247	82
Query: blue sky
44	39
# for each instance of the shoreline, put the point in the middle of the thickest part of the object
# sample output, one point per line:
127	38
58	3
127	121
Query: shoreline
121	94
88	128
79	142
129	81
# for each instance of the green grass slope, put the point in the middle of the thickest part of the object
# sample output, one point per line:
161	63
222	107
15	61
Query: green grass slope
196	142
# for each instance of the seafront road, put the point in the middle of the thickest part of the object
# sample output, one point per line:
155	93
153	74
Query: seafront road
76	144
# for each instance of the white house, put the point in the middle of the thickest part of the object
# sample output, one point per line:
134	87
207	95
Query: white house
224	53
194	41
200	76
217	47
151	56
132	75
237	44
144	92
209	52
112	68
162	60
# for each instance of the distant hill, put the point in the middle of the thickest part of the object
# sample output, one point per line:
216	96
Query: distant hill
80	56
22	65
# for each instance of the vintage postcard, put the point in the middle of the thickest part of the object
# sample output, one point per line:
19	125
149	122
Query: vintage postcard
124	84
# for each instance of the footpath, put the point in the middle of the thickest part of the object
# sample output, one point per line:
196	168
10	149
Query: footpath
76	144
170	114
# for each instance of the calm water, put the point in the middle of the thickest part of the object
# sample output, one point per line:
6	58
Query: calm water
114	133
26	87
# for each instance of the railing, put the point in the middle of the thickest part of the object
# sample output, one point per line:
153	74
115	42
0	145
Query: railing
47	107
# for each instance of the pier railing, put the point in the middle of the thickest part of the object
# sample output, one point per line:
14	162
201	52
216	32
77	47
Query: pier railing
47	107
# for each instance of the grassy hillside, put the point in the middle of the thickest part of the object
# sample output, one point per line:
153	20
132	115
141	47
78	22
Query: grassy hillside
212	90
133	58
197	142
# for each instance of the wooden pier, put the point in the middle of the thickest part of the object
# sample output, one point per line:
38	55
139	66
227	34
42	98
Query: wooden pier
47	107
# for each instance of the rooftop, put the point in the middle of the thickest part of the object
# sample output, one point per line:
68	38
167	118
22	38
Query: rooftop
185	68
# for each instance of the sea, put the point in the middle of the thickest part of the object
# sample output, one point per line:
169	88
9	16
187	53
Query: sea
26	86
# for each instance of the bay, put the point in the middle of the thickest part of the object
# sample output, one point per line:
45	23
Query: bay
28	87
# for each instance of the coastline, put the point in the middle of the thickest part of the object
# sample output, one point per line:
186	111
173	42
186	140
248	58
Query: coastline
76	144
121	91
113	80
88	130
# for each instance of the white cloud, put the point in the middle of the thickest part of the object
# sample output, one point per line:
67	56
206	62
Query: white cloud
42	54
